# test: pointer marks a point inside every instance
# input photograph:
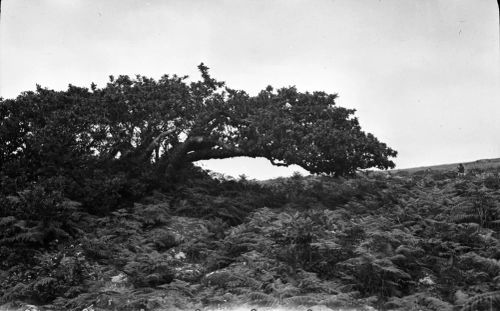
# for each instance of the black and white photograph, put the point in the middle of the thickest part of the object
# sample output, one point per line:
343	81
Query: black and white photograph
249	155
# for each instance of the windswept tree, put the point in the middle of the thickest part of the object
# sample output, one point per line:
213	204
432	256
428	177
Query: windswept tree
136	123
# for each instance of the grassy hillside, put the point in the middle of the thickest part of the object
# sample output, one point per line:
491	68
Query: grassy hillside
484	164
406	241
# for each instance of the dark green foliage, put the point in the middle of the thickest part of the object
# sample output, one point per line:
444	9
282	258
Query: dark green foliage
149	270
419	301
97	248
492	181
52	275
388	241
37	218
225	200
370	275
485	301
163	239
113	144
478	206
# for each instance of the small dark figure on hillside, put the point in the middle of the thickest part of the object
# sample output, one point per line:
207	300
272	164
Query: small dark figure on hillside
461	170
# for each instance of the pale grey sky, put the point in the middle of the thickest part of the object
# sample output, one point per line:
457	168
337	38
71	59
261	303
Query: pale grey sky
423	74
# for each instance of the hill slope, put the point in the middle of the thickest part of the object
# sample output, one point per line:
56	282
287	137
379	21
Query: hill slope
483	164
426	241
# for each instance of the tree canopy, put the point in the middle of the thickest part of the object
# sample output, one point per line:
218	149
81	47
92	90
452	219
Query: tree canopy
134	123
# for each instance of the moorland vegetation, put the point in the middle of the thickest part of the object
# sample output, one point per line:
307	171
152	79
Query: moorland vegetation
101	206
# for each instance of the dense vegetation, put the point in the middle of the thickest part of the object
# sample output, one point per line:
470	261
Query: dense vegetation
102	208
422	241
134	135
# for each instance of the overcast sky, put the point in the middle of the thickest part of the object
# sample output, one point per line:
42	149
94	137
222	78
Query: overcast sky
423	74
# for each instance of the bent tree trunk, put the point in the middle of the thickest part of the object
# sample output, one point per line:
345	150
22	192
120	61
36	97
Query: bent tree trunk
199	148
176	159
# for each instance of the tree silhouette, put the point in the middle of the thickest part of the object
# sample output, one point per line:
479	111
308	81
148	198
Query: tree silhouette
134	124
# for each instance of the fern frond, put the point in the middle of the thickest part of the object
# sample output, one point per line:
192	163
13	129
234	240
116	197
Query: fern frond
25	237
154	215
251	283
6	221
97	248
486	301
222	278
473	260
410	252
44	281
305	301
261	299
18	291
434	304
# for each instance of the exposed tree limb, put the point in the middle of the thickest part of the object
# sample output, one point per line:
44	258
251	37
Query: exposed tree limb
156	141
273	162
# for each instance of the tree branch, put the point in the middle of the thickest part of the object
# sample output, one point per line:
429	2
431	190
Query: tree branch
273	162
156	141
208	154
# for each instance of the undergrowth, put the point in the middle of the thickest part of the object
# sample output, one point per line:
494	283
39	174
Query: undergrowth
422	241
